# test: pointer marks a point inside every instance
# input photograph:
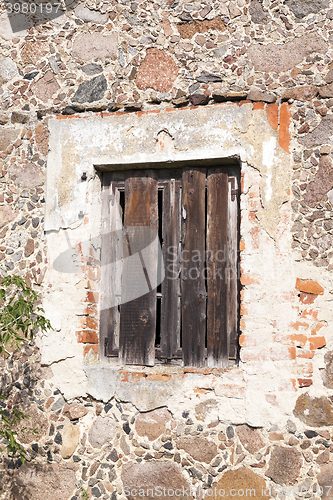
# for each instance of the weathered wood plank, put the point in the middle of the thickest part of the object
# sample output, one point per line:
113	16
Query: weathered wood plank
111	230
138	316
170	308
193	263
217	255
233	265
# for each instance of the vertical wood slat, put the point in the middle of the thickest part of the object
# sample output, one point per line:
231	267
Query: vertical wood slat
233	277
170	307
192	278
217	261
111	222
138	317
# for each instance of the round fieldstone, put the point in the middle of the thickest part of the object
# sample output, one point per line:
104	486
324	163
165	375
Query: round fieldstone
200	449
315	412
158	71
284	465
153	423
239	484
102	431
145	477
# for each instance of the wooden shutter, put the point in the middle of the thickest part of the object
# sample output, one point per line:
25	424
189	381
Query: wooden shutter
111	255
233	263
170	307
138	317
192	277
217	261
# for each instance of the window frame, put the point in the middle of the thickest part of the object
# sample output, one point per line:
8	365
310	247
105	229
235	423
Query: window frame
111	182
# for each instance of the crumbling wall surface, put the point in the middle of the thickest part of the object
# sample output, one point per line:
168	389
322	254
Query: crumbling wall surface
112	85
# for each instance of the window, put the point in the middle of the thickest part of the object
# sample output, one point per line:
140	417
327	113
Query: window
169	266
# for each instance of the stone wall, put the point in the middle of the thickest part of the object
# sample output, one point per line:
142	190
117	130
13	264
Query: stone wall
259	73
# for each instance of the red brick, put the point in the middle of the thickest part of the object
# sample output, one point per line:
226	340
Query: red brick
87	337
307	298
317	342
318	327
309	313
92	297
283	353
304	382
305	354
93	273
284	133
89	323
309	286
299	325
88	348
247	279
272	111
258	105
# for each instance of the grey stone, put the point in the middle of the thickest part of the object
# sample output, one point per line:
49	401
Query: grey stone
250	438
31	76
26	177
257	13
7	137
60	403
89	46
46	87
291	426
132	19
148	475
54	65
200	449
44	481
259	95
327	91
91	91
325	480
280	58
33	429
70	440
18	117
124	446
102	431
7	215
8	70
208	77
322	182
221	50
303	8
3	119
121	58
35	222
320	135
152	424
90	16
230	432
199	99
92	69
315	412
327	373
284	465
17	256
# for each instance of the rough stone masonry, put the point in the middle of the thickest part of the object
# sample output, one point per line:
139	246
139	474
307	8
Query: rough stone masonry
94	89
